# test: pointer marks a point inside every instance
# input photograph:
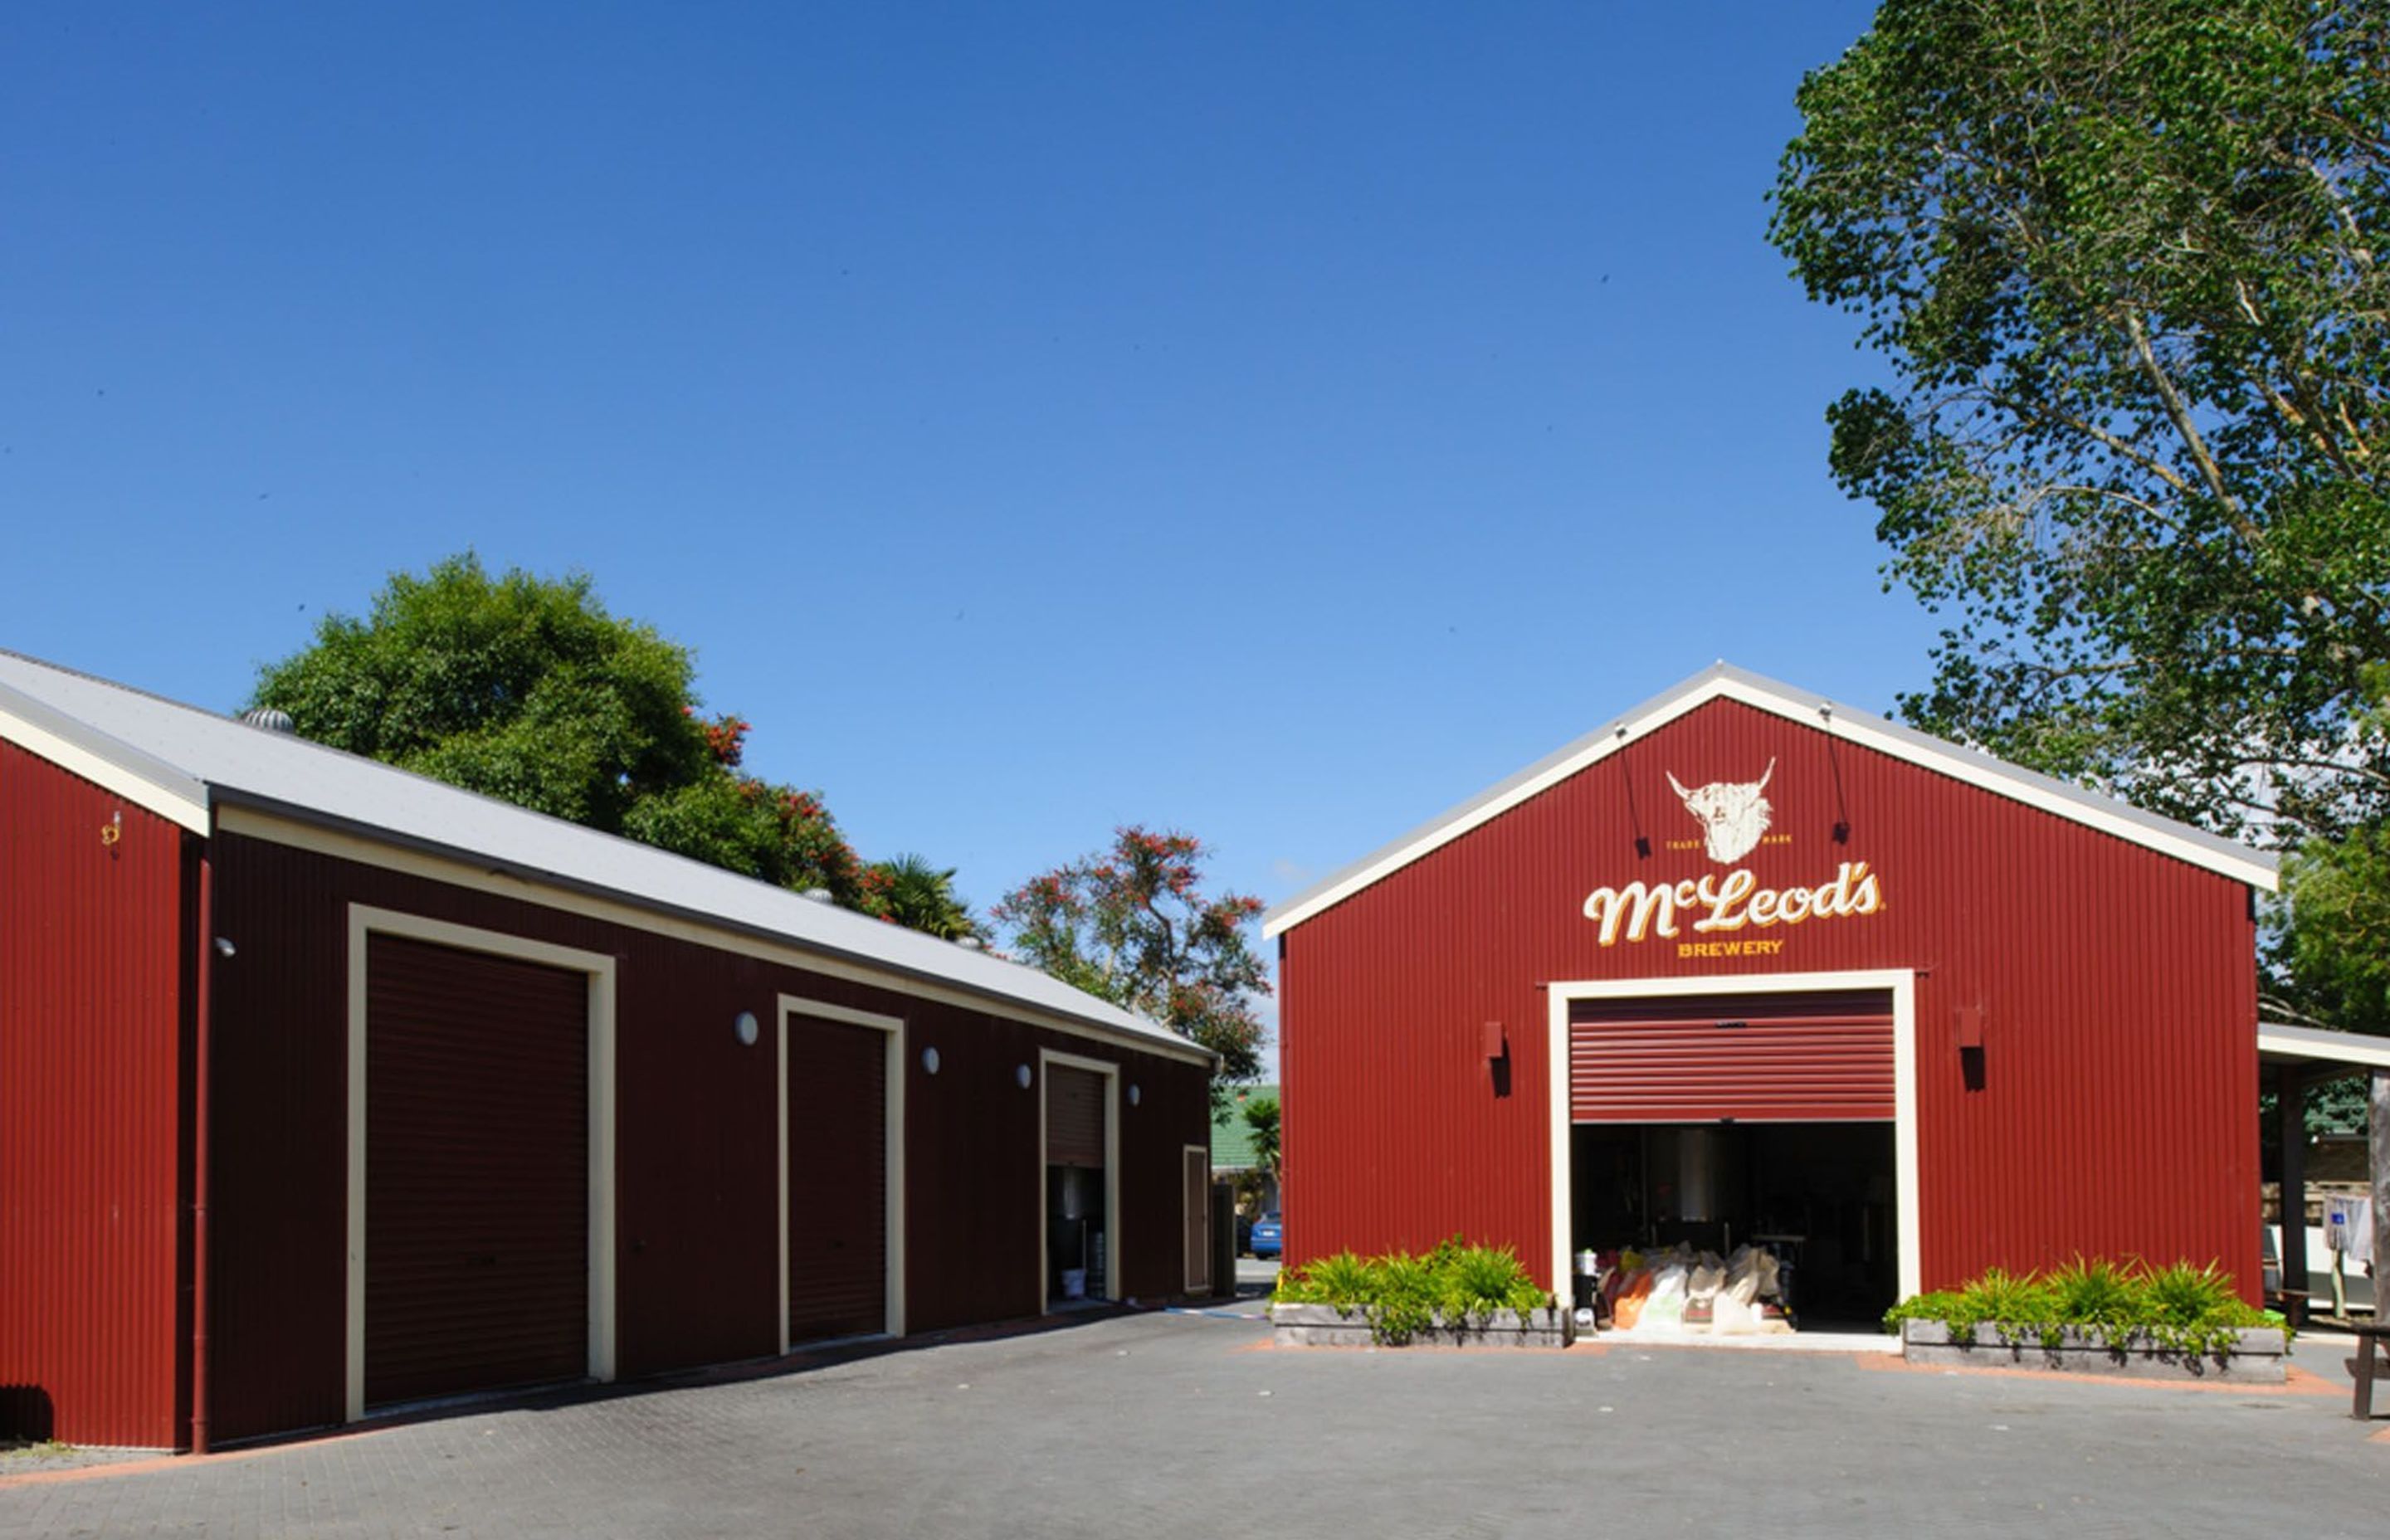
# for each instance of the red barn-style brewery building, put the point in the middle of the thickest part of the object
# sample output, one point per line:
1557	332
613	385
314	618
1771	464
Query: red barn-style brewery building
1746	963
327	1089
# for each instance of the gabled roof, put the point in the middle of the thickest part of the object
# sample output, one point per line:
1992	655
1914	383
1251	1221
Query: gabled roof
188	764
1232	1137
1725	682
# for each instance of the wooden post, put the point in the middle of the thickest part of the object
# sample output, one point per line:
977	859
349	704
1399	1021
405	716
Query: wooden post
2291	1100
2378	1143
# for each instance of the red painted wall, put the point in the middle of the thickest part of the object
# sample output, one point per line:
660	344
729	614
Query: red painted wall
697	1226
93	1335
2116	1111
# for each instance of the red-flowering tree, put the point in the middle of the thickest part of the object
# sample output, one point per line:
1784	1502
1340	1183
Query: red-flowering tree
1131	923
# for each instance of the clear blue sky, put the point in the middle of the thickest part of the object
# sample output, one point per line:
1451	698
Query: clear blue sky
1278	422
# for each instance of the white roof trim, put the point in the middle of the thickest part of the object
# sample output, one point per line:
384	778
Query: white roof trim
2316	1043
2196	846
139	778
195	766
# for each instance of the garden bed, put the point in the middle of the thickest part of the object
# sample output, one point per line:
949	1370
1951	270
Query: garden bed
2254	1356
1455	1295
2097	1316
1327	1326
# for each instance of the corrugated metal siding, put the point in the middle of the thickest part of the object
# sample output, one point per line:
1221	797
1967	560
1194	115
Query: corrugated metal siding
1074	1117
1793	1058
477	1172
838	1180
698	1228
93	953
2117	985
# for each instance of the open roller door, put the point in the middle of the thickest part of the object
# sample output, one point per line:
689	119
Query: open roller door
1825	1057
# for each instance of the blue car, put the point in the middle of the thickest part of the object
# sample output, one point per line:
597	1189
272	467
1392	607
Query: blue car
1270	1237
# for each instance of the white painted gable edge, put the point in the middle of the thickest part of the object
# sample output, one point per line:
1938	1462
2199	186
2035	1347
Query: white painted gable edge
2199	848
141	779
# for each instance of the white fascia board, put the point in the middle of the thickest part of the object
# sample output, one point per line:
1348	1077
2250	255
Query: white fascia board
1490	804
2197	847
2180	841
2316	1045
142	779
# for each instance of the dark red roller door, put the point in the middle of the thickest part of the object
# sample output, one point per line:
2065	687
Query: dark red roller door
838	1180
1752	1058
477	1172
1074	1117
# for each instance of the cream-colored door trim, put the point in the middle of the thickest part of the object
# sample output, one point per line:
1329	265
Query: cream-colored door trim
365	922
1114	1252
1900	982
1203	1202
891	1031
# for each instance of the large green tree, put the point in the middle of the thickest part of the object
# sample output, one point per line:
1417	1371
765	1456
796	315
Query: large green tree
2122	262
1132	924
527	689
521	687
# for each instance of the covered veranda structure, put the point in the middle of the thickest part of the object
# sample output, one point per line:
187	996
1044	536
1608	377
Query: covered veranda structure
2293	1060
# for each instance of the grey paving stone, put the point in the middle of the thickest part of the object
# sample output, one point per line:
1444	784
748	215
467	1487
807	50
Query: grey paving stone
1169	1425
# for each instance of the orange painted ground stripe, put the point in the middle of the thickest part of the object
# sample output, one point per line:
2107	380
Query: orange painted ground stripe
2300	1381
187	1462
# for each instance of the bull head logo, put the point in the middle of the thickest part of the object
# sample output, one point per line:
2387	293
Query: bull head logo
1733	815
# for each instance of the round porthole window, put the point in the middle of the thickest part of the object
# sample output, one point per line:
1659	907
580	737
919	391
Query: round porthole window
1021	1077
747	1029
1136	1095
929	1061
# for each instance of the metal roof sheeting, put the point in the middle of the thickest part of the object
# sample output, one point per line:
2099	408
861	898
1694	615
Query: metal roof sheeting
1232	1137
183	756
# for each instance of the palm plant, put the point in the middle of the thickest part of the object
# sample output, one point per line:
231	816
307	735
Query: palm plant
921	897
1262	1117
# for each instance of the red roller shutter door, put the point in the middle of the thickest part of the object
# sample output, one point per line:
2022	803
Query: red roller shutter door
477	1172
1074	1117
1751	1058
838	1180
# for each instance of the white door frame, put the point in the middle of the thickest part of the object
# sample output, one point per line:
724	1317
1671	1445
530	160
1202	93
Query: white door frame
365	923
891	1029
1900	982
1047	1059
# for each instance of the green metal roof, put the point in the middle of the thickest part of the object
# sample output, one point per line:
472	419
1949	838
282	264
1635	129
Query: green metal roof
1232	1137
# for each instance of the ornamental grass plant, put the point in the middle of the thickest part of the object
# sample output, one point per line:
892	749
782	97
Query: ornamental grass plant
2179	1306
1404	1294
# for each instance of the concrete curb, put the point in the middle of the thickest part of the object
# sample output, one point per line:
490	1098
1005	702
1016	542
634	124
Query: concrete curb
1326	1326
2256	1358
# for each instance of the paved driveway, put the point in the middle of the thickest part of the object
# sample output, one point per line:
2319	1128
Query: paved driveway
1169	1425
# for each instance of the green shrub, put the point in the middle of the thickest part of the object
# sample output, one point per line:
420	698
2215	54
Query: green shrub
1403	1291
1946	1305
1342	1279
2095	1292
2182	1294
1479	1280
2016	1306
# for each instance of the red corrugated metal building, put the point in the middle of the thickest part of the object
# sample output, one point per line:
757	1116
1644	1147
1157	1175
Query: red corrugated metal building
1747	962
325	1089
